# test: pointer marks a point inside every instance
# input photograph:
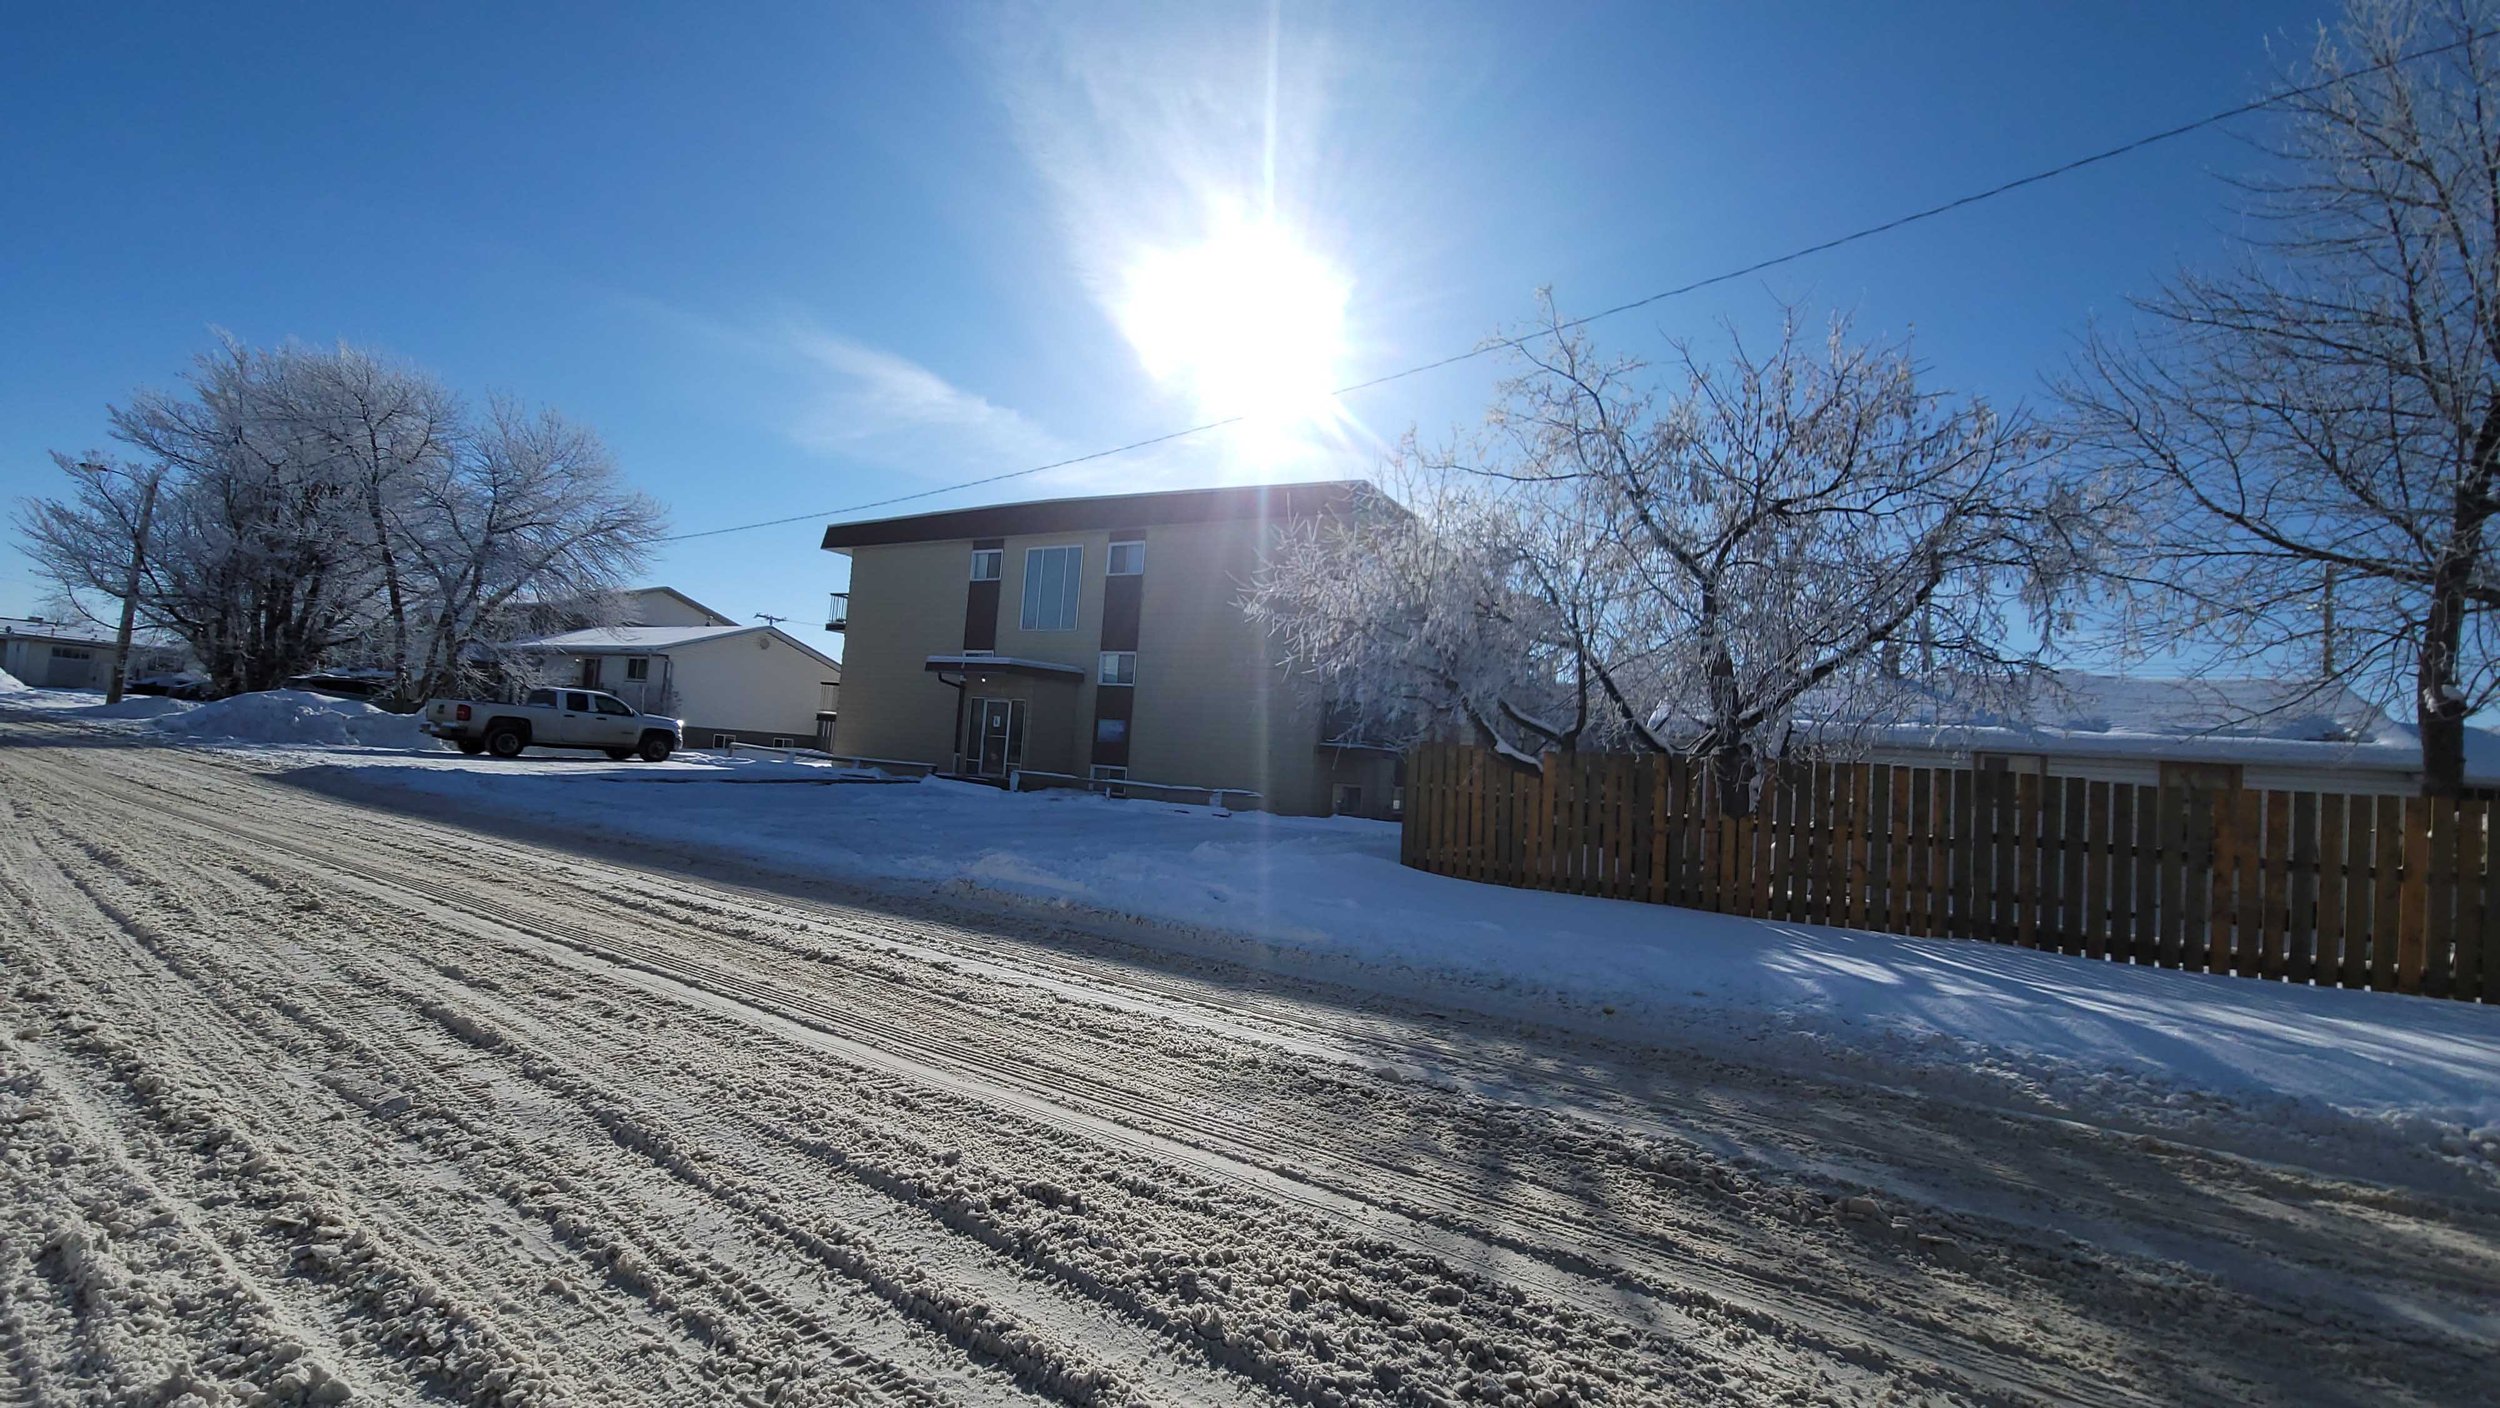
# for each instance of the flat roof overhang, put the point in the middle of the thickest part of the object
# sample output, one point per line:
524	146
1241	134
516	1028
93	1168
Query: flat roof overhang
1110	512
1001	665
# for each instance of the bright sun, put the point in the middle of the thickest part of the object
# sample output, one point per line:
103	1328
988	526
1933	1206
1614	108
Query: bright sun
1248	323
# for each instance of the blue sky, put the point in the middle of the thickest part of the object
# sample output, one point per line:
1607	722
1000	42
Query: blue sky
791	258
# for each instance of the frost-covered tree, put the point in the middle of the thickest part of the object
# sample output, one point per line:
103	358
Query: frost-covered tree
2313	436
332	508
535	514
1685	568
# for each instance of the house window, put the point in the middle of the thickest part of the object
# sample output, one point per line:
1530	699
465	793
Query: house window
988	563
1127	559
1118	667
782	742
1051	577
638	667
1110	730
1104	772
71	652
1346	800
724	741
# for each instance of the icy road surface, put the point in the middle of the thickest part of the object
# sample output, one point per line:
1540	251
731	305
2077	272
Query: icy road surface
304	1101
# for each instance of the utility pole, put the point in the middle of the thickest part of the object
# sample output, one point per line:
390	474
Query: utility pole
130	588
2326	629
770	620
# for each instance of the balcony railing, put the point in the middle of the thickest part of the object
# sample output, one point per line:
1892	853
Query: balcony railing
838	614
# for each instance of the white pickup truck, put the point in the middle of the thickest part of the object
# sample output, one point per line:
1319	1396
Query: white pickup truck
554	718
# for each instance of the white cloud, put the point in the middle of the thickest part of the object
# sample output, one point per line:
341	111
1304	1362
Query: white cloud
870	403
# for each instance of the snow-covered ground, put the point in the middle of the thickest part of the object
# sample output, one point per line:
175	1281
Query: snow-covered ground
395	1109
2263	1067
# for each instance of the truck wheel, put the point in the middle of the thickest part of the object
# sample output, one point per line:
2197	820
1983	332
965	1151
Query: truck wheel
655	748
506	741
472	746
620	754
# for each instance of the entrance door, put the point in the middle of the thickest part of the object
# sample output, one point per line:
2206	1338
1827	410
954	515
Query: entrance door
997	742
590	672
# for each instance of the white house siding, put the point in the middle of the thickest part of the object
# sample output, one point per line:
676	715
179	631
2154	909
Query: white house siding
49	663
757	686
38	663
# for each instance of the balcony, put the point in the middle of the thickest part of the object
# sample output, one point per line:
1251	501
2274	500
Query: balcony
838	613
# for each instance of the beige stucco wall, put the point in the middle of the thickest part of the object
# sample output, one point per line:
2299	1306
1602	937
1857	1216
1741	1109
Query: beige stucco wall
734	685
1212	707
907	604
650	606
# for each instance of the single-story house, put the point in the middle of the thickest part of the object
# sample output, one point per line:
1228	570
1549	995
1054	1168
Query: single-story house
750	684
72	655
1094	642
2292	735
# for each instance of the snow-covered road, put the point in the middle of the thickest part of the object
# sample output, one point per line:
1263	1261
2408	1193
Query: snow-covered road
316	1098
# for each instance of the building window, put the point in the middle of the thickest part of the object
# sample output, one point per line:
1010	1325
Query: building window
71	652
1051	578
988	563
782	742
638	667
1118	667
1347	799
1111	730
1104	772
1127	559
724	741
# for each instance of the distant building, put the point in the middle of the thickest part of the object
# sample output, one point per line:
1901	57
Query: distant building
1094	639
673	655
2290	735
72	655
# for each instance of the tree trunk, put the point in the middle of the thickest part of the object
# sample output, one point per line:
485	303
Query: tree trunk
2438	699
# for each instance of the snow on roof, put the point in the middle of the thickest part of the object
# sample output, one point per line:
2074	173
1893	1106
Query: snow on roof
79	632
605	639
42	629
635	640
2270	722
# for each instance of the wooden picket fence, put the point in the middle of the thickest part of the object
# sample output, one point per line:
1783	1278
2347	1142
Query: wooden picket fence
2340	890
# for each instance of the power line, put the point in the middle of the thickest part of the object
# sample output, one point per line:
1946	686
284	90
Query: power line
1792	256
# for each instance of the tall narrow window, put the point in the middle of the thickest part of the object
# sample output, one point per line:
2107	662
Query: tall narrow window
1127	559
1051	577
987	563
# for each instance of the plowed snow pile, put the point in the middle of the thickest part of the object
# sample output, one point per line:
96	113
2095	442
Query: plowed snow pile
297	716
10	684
141	706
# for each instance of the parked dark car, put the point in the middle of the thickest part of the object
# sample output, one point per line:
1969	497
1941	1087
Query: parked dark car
341	686
181	684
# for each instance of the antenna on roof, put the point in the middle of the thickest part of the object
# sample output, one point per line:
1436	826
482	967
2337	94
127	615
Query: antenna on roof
769	619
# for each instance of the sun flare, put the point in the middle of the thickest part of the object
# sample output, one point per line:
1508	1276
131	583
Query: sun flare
1249	322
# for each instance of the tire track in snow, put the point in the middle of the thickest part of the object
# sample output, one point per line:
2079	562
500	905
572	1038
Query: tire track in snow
278	1008
1446	1223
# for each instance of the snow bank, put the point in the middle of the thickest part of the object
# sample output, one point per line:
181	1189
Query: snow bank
294	716
10	684
2145	1048
140	706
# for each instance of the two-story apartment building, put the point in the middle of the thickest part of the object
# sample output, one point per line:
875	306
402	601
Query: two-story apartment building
1100	638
